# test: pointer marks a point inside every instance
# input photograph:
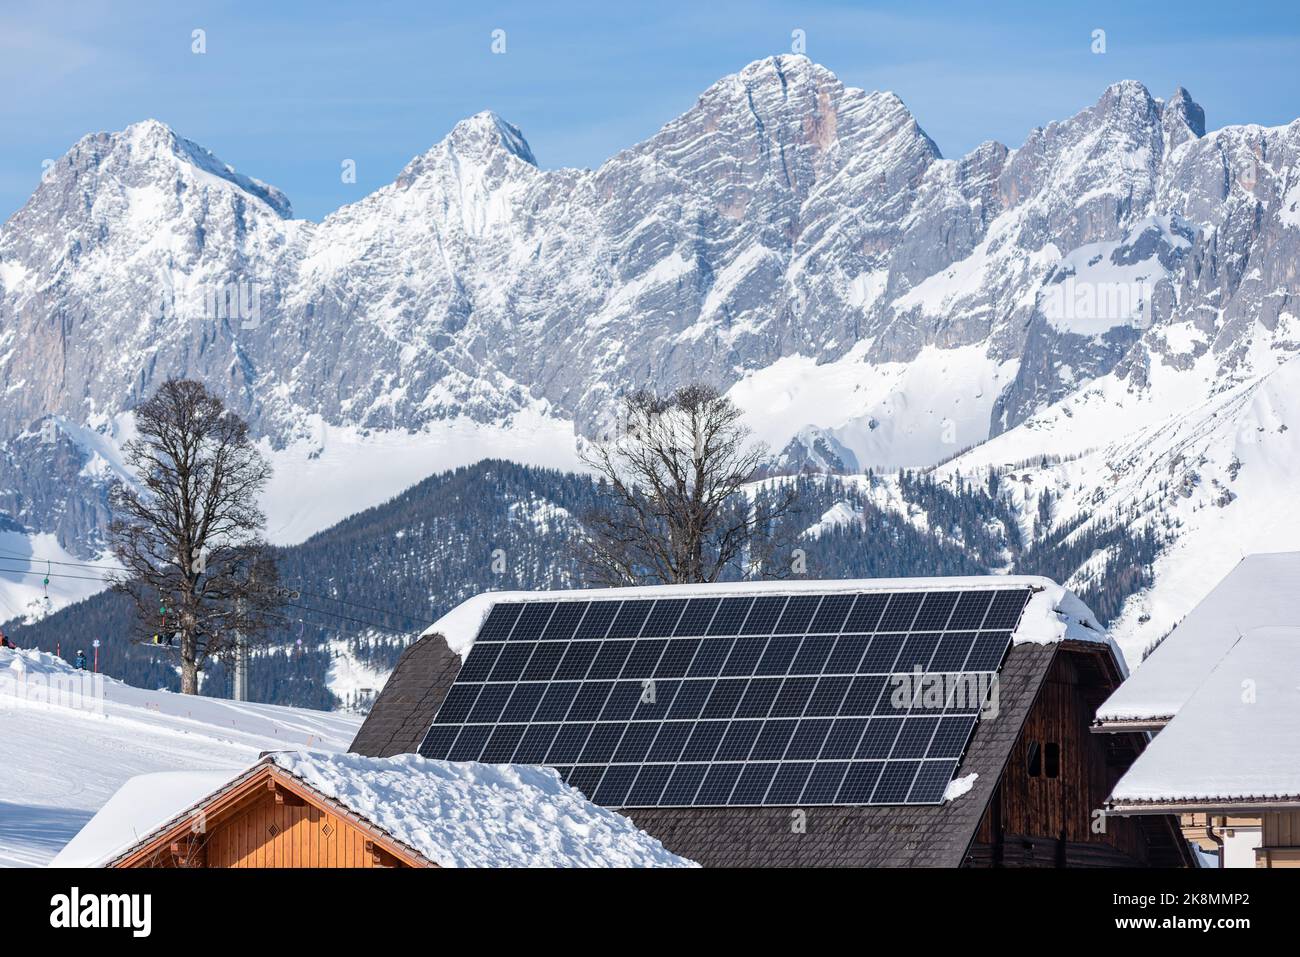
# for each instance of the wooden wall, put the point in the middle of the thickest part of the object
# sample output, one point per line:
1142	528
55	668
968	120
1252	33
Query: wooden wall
1034	813
1279	844
265	832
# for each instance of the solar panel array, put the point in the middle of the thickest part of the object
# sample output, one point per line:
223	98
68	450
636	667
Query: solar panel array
794	699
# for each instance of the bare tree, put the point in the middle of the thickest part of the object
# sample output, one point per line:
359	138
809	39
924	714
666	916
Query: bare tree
673	483
188	530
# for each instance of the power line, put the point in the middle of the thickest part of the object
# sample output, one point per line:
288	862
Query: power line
19	571
359	621
36	559
319	611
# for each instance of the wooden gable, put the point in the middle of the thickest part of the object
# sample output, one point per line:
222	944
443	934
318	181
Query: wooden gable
1047	810
269	818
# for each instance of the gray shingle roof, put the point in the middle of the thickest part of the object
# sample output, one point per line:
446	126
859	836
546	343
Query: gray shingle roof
411	697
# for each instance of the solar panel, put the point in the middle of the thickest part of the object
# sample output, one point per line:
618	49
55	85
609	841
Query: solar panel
765	700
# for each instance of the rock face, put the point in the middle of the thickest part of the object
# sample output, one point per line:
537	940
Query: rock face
784	214
815	451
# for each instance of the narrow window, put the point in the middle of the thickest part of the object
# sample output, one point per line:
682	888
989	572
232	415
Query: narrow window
1052	760
1034	760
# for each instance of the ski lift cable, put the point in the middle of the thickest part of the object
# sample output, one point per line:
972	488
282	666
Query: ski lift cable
50	561
38	574
359	621
398	613
320	611
35	559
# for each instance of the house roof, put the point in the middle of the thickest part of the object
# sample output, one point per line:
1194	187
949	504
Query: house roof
903	836
1235	741
1261	591
1053	614
141	806
450	814
408	702
899	835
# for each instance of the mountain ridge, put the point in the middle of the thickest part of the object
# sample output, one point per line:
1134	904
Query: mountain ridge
794	241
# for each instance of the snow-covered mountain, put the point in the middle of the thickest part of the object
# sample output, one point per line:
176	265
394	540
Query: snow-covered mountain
799	242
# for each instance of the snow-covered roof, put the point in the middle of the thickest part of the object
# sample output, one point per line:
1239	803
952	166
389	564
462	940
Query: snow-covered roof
1261	591
139	807
1236	739
455	814
1053	614
466	814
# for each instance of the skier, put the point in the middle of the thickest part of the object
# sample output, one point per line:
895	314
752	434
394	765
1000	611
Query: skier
6	643
80	662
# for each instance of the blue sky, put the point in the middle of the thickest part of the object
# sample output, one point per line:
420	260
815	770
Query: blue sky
286	90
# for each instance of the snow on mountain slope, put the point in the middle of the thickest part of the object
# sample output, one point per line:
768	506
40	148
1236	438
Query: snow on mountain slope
1210	464
891	414
353	682
783	218
348	469
71	740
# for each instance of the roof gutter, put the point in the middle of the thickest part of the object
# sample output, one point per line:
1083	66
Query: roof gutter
1204	806
1123	725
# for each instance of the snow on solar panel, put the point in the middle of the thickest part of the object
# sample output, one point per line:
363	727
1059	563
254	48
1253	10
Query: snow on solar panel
802	699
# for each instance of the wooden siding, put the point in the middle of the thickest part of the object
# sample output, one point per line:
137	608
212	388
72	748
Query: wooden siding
271	821
1279	844
1049	821
1273	858
267	834
1280	829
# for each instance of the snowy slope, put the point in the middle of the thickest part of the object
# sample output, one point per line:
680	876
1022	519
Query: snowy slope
1210	464
60	760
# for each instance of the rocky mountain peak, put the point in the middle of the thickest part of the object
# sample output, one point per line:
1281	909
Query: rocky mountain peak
90	179
486	132
1128	99
1182	107
150	141
482	142
785	221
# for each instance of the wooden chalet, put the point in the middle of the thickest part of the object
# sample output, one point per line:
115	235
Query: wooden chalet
266	817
